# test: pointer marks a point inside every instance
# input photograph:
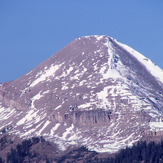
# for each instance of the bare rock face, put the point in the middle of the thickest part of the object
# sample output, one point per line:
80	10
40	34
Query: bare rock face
94	92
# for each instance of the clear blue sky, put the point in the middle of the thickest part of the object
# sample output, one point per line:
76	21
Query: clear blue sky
33	30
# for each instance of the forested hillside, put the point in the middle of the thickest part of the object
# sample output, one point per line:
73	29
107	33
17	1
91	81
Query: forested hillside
142	152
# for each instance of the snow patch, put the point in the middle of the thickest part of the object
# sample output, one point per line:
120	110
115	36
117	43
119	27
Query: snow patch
46	74
99	37
102	96
67	132
156	126
30	115
45	125
36	97
5	113
64	87
52	131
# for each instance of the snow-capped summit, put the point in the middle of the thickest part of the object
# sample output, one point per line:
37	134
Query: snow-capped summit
94	92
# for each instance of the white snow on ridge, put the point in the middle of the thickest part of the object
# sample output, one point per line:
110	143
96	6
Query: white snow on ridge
110	70
150	66
99	37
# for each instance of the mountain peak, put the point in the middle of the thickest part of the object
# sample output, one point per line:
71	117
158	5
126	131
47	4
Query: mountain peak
95	38
94	92
98	37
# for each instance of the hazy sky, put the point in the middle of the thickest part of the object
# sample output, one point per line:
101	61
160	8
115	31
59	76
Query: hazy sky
33	30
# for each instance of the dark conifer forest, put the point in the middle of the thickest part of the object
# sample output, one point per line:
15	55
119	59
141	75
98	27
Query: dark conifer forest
141	153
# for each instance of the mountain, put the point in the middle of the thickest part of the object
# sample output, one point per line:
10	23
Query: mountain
95	92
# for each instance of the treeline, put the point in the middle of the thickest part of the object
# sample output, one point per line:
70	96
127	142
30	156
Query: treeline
22	152
81	154
141	153
4	142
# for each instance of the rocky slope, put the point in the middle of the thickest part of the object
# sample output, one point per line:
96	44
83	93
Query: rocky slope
95	92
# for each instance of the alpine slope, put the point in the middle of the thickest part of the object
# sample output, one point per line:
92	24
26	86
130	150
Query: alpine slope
95	92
